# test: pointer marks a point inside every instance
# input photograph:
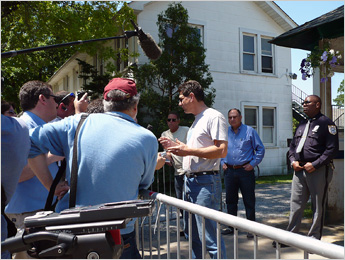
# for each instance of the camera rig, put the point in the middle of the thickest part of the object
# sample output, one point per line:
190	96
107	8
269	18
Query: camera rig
80	232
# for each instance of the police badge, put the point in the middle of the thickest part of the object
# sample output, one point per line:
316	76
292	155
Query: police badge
332	129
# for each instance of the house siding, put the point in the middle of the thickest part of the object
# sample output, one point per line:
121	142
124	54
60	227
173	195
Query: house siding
223	22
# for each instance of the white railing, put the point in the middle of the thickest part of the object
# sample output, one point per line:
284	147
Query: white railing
307	244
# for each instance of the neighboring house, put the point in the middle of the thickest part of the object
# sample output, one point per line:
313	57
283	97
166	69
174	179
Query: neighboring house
248	72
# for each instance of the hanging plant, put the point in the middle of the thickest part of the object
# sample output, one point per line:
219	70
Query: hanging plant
318	57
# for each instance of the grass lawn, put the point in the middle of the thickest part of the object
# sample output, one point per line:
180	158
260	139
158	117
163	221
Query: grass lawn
274	179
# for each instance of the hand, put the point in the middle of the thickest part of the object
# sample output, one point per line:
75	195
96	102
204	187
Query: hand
81	105
166	142
169	158
296	166
248	167
61	189
160	161
309	167
225	167
180	149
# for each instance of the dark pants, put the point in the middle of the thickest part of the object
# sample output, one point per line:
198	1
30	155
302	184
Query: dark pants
130	250
243	180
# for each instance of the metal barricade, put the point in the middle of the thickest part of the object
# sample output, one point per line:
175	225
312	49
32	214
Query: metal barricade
166	203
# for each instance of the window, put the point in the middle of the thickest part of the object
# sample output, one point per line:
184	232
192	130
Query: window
257	53
263	119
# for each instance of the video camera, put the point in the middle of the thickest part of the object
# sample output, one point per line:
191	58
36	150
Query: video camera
80	232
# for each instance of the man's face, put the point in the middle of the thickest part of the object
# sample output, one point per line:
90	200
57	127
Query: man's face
52	106
173	122
185	102
311	106
234	119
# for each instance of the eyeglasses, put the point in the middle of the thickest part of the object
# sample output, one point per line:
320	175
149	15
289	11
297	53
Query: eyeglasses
65	97
56	98
171	119
306	102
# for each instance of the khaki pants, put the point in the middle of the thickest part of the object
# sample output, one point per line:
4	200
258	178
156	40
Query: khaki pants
18	220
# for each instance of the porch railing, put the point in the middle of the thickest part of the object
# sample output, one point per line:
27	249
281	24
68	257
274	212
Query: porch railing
307	244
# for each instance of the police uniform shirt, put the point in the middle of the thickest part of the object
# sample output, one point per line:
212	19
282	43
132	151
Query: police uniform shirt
321	144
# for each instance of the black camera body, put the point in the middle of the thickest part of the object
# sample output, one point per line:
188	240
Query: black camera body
81	93
80	232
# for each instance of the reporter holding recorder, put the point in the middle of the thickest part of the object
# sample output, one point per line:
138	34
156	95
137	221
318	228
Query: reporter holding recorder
116	156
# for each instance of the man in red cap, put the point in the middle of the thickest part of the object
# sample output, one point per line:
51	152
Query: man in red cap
116	156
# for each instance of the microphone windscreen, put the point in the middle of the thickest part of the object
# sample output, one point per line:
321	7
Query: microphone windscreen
149	46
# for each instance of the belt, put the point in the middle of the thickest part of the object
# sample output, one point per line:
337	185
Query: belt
196	174
235	167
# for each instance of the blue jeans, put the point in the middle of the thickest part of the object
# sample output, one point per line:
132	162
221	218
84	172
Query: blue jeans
243	180
130	250
4	254
204	190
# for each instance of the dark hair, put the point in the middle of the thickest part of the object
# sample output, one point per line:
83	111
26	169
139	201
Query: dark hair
95	106
119	101
174	113
192	86
239	112
5	106
30	92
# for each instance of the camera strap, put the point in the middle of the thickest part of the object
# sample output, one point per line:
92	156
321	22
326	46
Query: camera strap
74	170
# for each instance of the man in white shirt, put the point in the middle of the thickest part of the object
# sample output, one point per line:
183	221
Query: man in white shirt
207	143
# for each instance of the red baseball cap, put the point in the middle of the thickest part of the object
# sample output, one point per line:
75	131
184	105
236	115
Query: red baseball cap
125	85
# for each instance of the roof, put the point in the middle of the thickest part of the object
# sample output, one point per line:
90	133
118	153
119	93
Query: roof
307	35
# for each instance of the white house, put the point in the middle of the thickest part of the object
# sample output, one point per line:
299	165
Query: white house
248	72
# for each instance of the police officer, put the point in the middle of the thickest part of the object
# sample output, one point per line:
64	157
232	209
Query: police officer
311	152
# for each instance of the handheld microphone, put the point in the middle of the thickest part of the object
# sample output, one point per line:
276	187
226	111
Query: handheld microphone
147	43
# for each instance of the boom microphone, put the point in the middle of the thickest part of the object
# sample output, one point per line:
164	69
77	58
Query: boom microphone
147	43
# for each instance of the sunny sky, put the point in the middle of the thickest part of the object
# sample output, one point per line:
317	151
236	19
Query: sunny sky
302	12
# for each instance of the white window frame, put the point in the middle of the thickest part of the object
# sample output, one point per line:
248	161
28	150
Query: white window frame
259	119
258	35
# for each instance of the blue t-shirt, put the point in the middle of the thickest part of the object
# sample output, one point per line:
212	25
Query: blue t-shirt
116	157
30	195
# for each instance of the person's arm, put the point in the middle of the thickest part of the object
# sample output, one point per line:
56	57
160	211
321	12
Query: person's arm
39	166
218	150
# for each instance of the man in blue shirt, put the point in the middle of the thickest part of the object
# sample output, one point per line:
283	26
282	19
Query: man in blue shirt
15	146
39	106
245	151
116	156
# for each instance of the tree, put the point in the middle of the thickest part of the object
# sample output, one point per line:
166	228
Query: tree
339	100
29	24
183	58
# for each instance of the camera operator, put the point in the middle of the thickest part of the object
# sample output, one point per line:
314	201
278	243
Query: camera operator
116	156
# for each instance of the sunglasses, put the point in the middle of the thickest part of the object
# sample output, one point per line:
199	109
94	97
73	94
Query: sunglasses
65	97
306	102
171	119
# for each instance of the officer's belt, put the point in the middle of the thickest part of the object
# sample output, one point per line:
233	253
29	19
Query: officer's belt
196	174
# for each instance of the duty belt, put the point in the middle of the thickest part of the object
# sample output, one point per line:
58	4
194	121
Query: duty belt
196	174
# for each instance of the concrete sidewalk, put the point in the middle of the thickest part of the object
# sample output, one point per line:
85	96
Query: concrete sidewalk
272	208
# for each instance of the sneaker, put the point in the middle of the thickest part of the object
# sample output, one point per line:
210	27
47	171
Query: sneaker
227	231
274	244
250	236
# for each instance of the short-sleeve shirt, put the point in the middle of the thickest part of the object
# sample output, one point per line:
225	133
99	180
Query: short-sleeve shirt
208	126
